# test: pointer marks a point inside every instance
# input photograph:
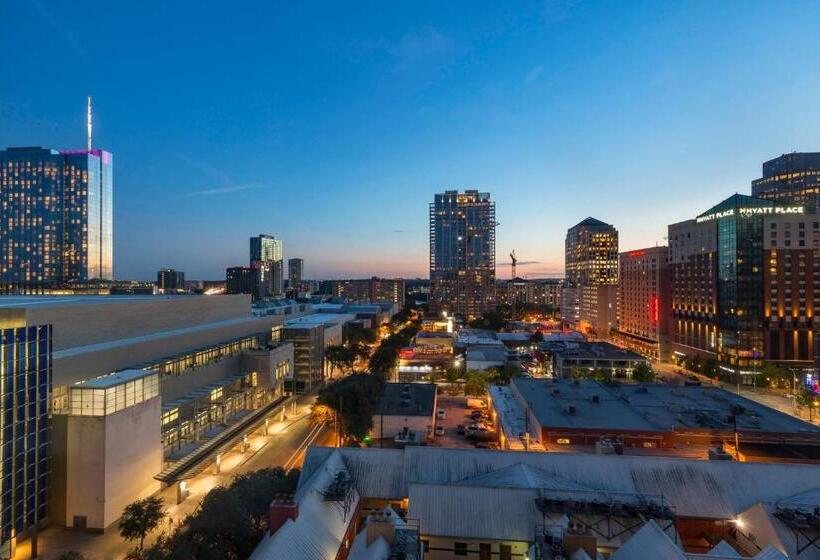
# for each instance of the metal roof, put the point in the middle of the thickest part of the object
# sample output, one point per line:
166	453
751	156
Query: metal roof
113	379
698	489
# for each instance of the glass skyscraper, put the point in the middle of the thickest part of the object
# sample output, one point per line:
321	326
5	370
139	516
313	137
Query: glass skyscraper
25	384
56	218
462	253
266	253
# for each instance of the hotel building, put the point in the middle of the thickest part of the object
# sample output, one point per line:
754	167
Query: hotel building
462	253
643	301
56	214
746	284
590	291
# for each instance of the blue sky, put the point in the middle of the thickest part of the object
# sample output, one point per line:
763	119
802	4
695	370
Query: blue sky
331	125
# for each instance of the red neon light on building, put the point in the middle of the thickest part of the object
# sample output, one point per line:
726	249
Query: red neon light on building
636	254
653	309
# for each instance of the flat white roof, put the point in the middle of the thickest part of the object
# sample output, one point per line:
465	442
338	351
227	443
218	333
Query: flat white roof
113	379
10	302
315	319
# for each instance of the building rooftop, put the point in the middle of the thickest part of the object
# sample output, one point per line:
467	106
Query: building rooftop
113	379
316	319
598	350
649	406
408	399
480	353
22	302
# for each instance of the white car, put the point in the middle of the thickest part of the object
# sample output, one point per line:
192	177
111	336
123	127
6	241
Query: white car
439	430
440	414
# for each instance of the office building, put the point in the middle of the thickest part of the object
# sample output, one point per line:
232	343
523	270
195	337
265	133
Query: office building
296	268
744	286
25	385
370	290
139	384
251	280
310	335
790	179
462	253
266	254
56	208
380	504
589	294
644	304
170	281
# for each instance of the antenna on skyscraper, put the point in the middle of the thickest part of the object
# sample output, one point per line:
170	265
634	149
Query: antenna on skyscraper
88	123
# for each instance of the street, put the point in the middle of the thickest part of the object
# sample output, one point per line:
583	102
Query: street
285	446
668	372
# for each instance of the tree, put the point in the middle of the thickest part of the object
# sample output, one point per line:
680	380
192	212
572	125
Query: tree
358	335
355	399
340	357
140	518
475	383
776	376
493	320
643	373
537	336
229	523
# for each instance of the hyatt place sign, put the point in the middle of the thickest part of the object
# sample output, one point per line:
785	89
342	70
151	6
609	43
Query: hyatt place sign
744	212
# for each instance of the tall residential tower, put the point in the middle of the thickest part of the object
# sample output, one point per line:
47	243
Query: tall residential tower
462	253
266	254
56	211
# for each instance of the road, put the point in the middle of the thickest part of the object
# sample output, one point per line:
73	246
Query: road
285	445
668	372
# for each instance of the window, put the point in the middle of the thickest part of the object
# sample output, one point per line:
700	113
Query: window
506	552
460	549
485	551
562	441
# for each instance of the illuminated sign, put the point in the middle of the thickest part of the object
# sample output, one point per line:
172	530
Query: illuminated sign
746	211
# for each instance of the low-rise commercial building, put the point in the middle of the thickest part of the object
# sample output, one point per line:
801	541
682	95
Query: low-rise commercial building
405	408
577	358
662	419
435	503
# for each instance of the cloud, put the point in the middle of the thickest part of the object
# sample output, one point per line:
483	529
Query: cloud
533	74
67	34
218	190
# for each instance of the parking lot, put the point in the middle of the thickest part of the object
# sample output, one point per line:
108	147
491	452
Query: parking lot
456	412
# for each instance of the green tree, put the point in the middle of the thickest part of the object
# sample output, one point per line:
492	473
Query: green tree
536	337
355	399
493	320
340	357
140	518
643	373
357	335
776	376
802	396
475	383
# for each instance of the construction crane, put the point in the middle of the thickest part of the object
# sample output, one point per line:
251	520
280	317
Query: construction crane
513	261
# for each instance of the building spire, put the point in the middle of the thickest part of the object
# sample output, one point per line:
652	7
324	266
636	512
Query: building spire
88	123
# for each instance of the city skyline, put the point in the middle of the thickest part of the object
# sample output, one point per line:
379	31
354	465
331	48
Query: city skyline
583	120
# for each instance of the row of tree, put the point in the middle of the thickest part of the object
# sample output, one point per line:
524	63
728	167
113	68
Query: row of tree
384	359
642	373
229	523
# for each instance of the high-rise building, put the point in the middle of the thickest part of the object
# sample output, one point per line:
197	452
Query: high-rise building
296	268
462	253
170	281
56	211
25	384
743	284
519	291
372	290
643	301
267	249
589	295
246	280
790	179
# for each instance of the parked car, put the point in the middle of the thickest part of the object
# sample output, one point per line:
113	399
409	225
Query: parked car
440	414
439	430
482	445
460	430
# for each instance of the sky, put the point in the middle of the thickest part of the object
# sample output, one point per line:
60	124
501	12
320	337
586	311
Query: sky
332	124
